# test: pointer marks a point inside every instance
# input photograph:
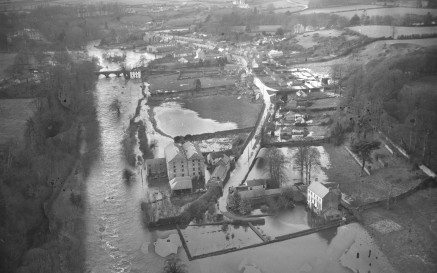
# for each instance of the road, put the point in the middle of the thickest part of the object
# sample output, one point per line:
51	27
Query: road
248	155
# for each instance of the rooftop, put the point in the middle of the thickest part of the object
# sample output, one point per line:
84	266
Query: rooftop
181	183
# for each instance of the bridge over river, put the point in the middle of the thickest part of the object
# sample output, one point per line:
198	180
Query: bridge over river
126	73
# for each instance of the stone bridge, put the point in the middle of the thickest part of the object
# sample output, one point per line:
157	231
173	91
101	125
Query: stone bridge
126	73
117	73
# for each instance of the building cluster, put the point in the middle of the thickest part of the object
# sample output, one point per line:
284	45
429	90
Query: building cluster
184	163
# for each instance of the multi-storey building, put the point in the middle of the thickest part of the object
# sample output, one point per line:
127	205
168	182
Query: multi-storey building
322	198
184	160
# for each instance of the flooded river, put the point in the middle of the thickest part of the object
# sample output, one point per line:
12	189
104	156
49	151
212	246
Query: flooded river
117	241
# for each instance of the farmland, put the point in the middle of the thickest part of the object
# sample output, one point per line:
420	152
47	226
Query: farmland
389	31
375	49
397	11
371	10
309	40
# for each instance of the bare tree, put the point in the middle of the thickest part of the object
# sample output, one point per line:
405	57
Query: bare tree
300	159
305	159
276	163
313	160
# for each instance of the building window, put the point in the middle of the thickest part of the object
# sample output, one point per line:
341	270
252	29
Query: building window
183	174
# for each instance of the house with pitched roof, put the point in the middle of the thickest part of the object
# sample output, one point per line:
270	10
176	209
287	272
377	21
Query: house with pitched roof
221	170
184	160
324	199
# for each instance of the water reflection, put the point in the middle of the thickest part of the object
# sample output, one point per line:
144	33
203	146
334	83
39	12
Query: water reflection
174	120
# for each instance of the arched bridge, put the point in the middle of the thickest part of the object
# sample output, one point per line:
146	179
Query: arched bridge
126	73
117	73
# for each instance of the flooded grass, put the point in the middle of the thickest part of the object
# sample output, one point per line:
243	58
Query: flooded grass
206	239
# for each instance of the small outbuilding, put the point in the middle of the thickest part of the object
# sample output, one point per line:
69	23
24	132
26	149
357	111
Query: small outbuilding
181	185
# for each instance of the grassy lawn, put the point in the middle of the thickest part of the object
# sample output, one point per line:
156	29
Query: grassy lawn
413	247
363	189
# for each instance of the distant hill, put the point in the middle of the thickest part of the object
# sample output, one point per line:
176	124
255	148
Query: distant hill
331	3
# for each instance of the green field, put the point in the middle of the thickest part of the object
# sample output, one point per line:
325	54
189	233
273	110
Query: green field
388	31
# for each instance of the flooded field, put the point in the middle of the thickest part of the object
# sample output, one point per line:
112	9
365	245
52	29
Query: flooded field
225	109
205	115
291	171
175	120
206	239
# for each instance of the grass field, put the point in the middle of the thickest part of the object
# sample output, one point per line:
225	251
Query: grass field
370	10
13	116
307	40
388	31
6	59
413	247
369	52
365	189
397	11
340	9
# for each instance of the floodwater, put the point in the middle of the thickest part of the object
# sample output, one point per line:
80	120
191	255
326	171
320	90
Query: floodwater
290	171
118	241
175	120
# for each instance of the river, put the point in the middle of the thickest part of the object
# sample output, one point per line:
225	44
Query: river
117	240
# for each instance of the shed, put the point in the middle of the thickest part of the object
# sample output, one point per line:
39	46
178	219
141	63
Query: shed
181	185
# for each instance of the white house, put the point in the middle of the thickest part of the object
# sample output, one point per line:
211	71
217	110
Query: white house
322	198
135	73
